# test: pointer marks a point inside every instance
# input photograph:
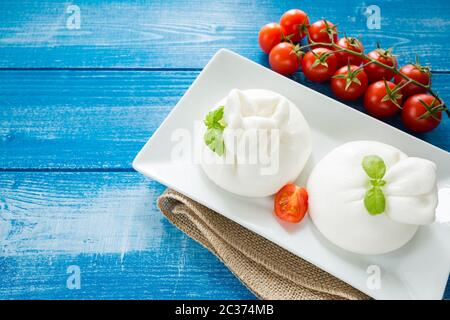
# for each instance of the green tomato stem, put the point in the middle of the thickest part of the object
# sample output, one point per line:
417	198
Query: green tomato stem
374	61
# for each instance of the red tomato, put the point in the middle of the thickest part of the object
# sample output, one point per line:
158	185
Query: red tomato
291	203
415	72
376	93
283	59
294	22
269	36
415	115
322	31
345	58
376	72
349	84
319	64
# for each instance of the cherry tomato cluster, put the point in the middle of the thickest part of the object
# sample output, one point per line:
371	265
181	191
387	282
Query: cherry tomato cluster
386	90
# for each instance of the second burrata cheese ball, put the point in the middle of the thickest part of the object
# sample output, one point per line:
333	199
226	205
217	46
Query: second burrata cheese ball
368	197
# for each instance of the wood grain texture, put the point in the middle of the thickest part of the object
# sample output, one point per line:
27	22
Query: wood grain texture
91	119
109	226
68	195
98	120
185	34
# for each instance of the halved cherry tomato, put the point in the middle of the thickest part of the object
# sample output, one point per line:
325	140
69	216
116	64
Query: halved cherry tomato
319	64
422	113
322	31
283	58
345	58
376	72
295	23
415	72
269	36
291	203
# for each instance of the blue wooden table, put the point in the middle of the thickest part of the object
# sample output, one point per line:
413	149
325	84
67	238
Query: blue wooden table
80	97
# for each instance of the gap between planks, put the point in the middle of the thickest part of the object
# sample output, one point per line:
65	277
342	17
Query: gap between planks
104	69
139	69
67	170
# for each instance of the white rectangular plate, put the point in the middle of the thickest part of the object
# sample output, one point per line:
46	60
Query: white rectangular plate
419	270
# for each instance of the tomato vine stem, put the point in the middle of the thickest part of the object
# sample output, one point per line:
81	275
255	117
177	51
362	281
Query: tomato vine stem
370	60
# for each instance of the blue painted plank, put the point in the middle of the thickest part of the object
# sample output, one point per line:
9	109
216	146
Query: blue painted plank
51	220
108	225
98	120
82	119
197	274
181	34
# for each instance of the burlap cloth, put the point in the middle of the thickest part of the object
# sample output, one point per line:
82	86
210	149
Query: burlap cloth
269	271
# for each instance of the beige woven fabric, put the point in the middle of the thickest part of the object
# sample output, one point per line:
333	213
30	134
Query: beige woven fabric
269	271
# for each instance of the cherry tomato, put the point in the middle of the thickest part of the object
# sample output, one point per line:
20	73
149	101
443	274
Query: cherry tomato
291	203
269	36
376	93
415	72
283	59
319	64
322	31
376	72
294	22
415	115
345	58
349	82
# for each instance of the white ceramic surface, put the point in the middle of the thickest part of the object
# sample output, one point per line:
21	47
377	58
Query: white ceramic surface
418	270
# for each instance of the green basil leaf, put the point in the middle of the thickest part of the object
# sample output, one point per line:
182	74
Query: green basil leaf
214	119
209	119
377	183
214	134
374	166
374	201
214	140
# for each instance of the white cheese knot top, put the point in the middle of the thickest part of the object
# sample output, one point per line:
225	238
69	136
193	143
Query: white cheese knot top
337	186
267	143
